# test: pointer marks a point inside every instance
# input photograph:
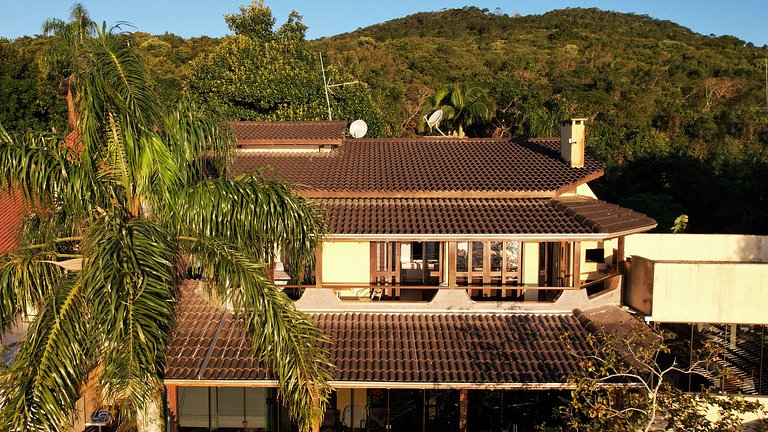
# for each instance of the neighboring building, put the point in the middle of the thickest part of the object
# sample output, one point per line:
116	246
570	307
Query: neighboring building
706	289
450	288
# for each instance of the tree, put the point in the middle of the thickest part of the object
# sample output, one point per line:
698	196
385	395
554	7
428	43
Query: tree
63	57
463	106
625	385
122	209
258	74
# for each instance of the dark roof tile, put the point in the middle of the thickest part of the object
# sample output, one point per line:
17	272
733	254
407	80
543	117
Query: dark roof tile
468	348
426	165
424	216
287	131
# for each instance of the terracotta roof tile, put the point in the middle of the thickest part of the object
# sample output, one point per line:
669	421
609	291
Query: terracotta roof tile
462	348
423	216
424	165
284	131
12	213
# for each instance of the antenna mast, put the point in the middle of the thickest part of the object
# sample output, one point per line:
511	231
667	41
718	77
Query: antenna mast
327	85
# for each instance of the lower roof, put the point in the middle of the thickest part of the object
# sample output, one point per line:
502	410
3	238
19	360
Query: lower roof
12	213
420	350
576	216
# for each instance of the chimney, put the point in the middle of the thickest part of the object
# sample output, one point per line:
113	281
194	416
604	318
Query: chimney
572	142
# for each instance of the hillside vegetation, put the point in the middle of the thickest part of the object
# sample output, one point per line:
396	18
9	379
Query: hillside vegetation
680	119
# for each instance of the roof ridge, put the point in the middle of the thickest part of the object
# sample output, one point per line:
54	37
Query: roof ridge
212	346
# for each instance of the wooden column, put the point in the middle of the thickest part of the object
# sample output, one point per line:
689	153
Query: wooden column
173	406
486	268
319	266
451	264
620	258
463	404
576	264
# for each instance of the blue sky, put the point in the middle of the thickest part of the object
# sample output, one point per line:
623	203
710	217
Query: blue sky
746	19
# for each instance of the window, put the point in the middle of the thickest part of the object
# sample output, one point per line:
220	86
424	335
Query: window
490	263
595	255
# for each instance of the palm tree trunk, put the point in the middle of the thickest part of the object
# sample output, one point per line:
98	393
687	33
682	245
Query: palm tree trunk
150	417
71	113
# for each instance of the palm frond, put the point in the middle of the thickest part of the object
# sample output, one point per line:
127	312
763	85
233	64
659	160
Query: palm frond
42	385
255	214
113	81
52	26
37	164
284	337
129	278
26	278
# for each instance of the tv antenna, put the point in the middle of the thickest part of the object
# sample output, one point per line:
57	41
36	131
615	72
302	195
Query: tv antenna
328	86
358	129
434	120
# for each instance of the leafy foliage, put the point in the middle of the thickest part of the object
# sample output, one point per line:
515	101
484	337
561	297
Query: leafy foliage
463	107
122	207
625	385
259	74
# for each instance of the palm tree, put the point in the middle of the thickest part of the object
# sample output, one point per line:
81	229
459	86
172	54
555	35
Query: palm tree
118	220
61	56
463	106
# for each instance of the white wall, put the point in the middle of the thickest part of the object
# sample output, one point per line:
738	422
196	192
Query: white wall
698	247
710	292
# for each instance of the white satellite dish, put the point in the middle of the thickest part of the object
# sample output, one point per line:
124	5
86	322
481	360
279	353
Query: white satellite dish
434	120
358	129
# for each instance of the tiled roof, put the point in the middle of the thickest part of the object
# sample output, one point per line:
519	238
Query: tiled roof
283	131
12	212
444	216
602	217
460	348
427	167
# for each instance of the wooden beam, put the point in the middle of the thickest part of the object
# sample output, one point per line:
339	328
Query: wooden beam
463	410
576	264
451	264
173	406
319	266
621	257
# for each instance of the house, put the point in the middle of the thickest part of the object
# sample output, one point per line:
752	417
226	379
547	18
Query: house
456	288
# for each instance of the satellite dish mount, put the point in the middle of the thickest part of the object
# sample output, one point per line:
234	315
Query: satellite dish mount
434	120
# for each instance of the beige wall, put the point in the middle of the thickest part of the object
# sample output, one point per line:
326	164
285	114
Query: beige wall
698	247
530	264
346	262
710	292
594	270
345	397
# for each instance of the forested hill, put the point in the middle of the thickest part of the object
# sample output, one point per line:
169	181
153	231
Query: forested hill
679	118
611	66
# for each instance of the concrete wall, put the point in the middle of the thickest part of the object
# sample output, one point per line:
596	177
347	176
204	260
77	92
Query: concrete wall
346	262
698	247
709	292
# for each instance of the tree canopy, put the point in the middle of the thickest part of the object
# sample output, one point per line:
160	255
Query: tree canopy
263	74
130	202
